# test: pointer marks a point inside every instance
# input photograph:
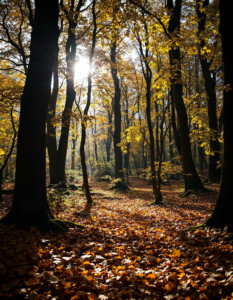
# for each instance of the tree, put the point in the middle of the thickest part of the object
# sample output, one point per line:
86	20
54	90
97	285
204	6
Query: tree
57	155
222	214
210	86
191	178
117	114
84	121
30	206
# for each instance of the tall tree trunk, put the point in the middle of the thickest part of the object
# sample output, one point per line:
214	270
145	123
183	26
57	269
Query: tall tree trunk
171	152
57	156
0	185
157	132
222	214
73	151
30	206
174	127
117	114
210	85
55	170
109	138
84	121
191	178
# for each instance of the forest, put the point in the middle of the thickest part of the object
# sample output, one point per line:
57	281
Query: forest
116	149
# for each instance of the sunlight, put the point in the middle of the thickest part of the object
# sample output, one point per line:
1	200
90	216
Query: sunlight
82	68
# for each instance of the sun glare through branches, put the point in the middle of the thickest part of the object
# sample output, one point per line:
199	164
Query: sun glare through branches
82	69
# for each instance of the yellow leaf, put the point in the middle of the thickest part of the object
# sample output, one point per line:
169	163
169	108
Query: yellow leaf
66	283
89	278
170	286
91	296
151	276
181	275
69	272
227	88
176	252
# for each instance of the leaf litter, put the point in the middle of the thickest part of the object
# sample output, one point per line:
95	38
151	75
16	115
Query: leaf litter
128	250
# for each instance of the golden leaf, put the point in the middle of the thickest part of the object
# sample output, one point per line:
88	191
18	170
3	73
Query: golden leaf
91	296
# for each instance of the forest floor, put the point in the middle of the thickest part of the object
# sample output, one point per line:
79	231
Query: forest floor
128	250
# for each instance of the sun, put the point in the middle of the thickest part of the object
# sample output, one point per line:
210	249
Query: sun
82	69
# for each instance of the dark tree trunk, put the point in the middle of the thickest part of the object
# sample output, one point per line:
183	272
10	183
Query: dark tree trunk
147	73
126	158
30	206
117	113
109	138
0	185
222	215
57	157
210	85
157	133
55	169
171	152
201	158
84	121
191	178
174	127
73	151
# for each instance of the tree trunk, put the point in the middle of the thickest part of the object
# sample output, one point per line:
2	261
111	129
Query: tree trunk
0	185
57	157
210	85
117	113
191	178
222	215
157	132
30	206
84	121
109	138
174	127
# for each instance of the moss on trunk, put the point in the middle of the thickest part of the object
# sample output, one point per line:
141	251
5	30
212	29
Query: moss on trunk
43	221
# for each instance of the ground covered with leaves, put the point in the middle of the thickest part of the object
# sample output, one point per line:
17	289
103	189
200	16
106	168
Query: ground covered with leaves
128	250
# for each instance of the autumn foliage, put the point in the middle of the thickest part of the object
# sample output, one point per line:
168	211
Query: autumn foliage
127	249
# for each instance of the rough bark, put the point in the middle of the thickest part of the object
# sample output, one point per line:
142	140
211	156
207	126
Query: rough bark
57	155
222	215
109	138
30	206
117	115
210	85
191	178
145	60
84	121
174	127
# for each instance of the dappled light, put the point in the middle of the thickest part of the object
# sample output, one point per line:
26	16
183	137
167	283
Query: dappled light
127	249
116	148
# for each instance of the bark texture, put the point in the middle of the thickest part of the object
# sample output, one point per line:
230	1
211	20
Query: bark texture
84	121
191	178
210	86
30	206
57	154
117	114
222	215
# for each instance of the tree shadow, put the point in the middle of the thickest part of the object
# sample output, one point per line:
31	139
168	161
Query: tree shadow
86	213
